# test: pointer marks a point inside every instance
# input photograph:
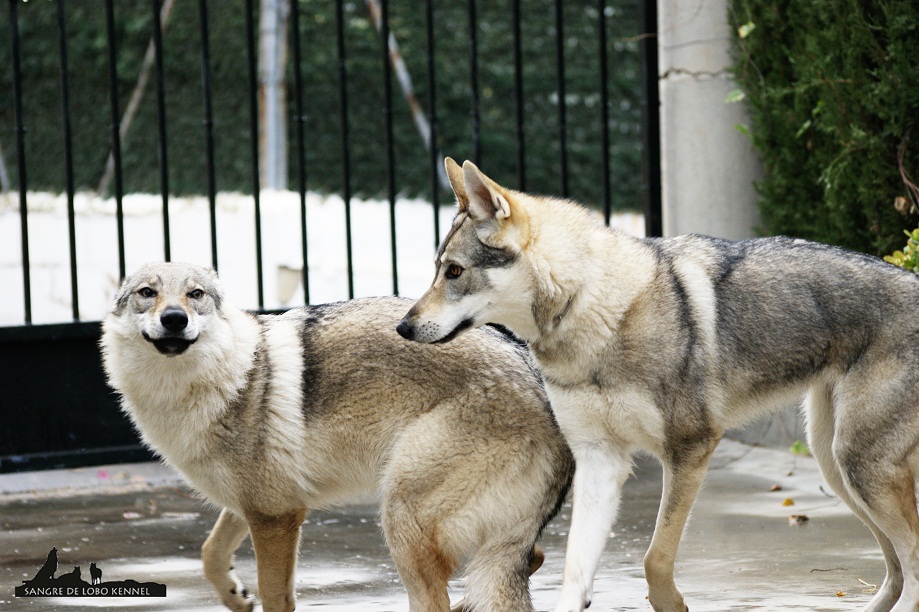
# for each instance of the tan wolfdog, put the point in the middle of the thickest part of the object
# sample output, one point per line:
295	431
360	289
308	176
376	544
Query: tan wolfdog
270	416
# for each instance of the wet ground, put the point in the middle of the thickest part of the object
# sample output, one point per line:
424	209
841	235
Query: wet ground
740	551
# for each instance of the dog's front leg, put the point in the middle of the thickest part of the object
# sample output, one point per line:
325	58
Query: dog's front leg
217	555
598	478
684	472
276	539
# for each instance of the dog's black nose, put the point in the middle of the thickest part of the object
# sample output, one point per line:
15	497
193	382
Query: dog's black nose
174	319
405	329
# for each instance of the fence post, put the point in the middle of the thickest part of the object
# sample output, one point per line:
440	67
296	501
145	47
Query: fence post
21	162
272	92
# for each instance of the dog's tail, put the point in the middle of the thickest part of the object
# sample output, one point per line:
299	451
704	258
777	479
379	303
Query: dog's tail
499	578
464	605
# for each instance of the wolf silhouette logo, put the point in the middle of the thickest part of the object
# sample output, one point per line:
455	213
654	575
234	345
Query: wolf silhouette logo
95	573
44	584
47	570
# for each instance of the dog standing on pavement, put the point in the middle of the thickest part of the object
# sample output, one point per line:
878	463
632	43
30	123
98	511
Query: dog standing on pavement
661	345
269	416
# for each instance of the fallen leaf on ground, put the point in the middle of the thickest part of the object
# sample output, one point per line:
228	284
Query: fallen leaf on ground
788	502
797	519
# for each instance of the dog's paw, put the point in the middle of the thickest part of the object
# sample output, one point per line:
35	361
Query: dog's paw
240	602
575	609
682	607
676	606
238	598
573	604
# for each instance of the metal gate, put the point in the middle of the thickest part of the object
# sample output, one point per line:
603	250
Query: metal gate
525	86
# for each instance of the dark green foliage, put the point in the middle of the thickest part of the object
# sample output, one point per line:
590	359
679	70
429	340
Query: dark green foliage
831	86
184	106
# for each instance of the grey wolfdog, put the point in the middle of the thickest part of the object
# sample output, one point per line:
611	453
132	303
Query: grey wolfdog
269	416
661	345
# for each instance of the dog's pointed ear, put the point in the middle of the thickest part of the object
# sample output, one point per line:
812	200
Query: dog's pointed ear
121	297
487	200
455	176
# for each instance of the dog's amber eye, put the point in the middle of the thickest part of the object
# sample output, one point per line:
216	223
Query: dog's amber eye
453	271
146	292
197	294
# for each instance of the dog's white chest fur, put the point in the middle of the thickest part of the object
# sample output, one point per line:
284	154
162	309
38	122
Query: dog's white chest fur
588	414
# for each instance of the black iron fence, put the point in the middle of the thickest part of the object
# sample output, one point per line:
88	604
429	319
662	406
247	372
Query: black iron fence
524	85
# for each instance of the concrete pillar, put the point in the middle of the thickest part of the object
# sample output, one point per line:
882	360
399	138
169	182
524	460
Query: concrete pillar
707	165
272	93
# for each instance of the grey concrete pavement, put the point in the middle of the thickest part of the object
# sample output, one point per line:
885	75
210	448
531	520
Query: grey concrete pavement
740	551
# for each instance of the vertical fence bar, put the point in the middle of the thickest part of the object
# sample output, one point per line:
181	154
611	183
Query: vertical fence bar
161	124
432	112
68	158
116	130
345	137
518	97
208	125
21	162
253	130
390	149
651	121
604	112
562	109
474	83
301	151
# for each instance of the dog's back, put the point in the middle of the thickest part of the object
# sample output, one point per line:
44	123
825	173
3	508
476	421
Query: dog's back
782	311
360	391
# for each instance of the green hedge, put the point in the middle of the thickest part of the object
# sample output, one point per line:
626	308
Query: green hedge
91	111
832	90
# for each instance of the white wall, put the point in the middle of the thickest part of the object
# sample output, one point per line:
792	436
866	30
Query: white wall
97	248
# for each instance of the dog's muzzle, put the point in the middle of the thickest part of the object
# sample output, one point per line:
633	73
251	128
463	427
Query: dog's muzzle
173	342
410	331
